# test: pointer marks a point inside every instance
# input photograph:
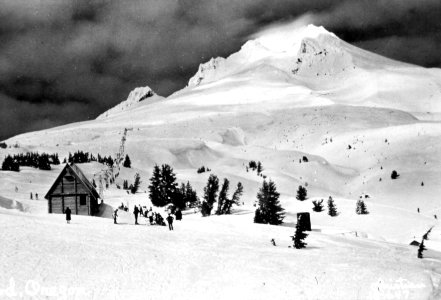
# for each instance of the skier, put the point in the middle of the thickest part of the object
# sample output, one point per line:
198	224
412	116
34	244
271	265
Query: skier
31	195
170	221
273	242
178	214
136	212
115	215
68	213
36	196
140	210
159	220
150	216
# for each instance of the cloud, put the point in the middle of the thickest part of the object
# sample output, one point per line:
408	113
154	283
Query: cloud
89	54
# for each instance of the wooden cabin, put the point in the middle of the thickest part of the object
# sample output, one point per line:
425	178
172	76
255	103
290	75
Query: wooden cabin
72	189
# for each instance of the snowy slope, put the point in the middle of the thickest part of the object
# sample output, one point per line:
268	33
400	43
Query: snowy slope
216	258
355	115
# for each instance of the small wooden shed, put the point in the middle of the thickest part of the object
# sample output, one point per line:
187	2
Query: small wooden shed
72	189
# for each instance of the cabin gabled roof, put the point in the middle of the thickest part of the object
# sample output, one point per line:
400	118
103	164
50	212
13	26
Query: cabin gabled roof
76	171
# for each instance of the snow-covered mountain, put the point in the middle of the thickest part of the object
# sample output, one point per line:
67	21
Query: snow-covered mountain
355	116
320	65
133	101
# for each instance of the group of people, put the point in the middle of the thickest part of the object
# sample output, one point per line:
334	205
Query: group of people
36	196
154	218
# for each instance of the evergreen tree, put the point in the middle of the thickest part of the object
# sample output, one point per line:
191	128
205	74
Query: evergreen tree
223	196
269	210
9	164
394	174
234	200
259	168
180	199
258	217
127	163
136	184
163	186
155	192
169	186
301	193
421	249
361	208
210	194
299	236
191	196
43	162
318	205
332	209
252	164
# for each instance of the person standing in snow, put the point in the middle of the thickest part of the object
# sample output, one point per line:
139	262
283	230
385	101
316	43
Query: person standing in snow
31	195
140	210
36	196
170	221
68	213
178	214
136	212
150	216
115	215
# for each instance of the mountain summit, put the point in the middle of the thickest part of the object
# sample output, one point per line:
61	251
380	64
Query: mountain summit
313	63
135	97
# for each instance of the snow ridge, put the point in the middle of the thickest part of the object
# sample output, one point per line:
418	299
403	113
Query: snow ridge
136	96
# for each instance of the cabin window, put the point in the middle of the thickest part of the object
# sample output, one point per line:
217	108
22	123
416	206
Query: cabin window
69	178
83	200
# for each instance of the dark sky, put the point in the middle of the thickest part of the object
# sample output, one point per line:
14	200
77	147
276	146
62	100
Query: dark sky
69	60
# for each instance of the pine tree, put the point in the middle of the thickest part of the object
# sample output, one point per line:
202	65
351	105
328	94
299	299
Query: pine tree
259	168
210	194
191	195
318	205
43	162
127	163
169	186
9	164
269	210
234	200
180	199
136	184
332	209
223	196
252	164
421	249
155	193
299	236
394	174
361	208
301	193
